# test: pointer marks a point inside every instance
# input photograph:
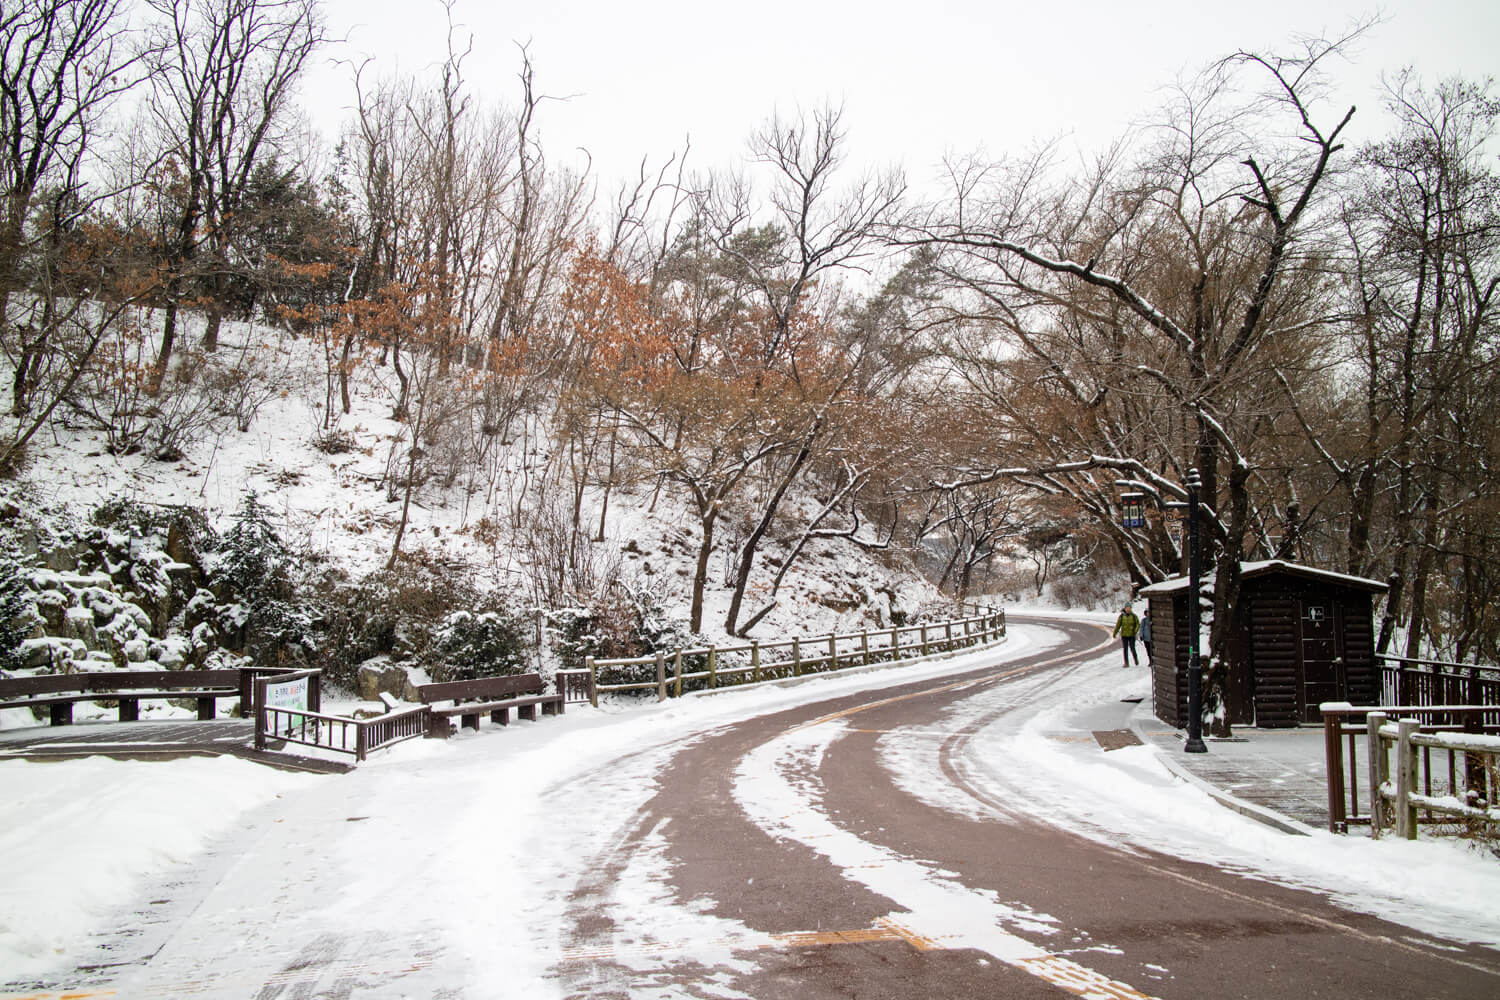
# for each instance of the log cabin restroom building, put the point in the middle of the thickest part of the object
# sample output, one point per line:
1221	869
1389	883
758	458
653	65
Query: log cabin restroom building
1311	639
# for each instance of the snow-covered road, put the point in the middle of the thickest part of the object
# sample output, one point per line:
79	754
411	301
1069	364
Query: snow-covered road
546	860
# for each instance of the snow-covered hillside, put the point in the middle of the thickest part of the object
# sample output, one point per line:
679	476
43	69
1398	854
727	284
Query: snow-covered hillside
338	508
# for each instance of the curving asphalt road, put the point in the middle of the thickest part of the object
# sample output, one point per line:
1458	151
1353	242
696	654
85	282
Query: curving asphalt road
815	874
857	846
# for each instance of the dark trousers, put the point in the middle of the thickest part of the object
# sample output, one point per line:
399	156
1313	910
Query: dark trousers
1127	648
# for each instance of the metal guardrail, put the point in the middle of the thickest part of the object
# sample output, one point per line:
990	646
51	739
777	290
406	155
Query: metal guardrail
339	733
755	662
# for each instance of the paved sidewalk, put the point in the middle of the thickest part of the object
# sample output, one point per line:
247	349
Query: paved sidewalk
1277	776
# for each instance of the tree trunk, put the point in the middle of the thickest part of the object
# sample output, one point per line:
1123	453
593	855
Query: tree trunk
700	572
168	339
752	543
211	328
344	372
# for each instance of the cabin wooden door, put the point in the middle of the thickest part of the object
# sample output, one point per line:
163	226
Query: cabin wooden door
1322	668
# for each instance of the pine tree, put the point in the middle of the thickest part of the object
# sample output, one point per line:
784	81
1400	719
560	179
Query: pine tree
15	611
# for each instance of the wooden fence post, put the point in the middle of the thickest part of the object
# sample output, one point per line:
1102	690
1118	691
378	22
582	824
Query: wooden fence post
661	676
796	657
924	638
1406	779
864	646
1376	764
677	673
588	661
1333	757
896	643
833	651
754	661
713	667
948	635
260	713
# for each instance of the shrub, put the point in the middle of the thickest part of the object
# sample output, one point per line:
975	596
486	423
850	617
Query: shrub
488	644
421	611
355	623
252	576
622	623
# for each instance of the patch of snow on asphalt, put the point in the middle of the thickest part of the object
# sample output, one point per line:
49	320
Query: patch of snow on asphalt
774	788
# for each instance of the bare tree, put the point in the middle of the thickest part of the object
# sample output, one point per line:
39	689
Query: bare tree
784	253
62	65
1424	231
223	89
1186	279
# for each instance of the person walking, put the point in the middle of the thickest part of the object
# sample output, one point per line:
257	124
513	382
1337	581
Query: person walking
1126	627
1146	632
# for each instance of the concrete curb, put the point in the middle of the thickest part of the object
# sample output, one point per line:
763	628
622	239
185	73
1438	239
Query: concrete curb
1270	817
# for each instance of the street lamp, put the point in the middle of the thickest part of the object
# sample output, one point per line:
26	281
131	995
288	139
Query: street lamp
1134	517
1195	667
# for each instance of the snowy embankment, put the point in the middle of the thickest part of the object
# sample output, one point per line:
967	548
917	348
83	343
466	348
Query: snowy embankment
475	844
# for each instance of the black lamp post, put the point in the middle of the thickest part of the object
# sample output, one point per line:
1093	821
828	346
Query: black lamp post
1134	517
1195	667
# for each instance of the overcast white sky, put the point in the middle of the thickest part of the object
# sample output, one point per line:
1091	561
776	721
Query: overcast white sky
916	80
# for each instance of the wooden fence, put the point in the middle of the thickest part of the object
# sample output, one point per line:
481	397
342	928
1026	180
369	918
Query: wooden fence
307	726
1443	768
1416	683
1467	797
712	667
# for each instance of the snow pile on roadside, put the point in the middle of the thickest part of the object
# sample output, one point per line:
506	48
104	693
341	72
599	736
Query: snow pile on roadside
84	837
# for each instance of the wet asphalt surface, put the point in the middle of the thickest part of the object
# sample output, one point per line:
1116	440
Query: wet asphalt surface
1116	923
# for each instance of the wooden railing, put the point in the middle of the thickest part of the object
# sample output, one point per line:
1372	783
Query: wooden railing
310	727
1444	762
1415	682
711	667
1468	796
576	685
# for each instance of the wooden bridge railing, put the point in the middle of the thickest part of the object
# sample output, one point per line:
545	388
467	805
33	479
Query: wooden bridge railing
711	667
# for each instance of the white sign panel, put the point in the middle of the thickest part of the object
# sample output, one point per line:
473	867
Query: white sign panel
287	694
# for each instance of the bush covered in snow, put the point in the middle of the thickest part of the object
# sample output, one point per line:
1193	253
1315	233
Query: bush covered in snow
252	576
491	643
622	622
